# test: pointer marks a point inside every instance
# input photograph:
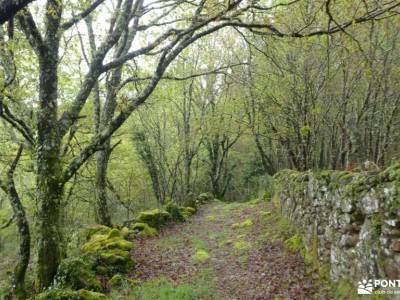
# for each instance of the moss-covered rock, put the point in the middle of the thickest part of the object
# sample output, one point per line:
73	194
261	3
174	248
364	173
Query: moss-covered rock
116	281
204	197
191	210
127	233
110	252
75	273
155	218
103	242
144	230
114	233
97	229
58	294
89	295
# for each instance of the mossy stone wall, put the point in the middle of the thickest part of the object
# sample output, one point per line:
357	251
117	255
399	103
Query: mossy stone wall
354	216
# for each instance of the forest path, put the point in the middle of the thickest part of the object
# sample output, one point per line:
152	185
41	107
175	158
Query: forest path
226	251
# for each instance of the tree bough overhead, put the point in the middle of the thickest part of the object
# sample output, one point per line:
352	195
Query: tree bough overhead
73	72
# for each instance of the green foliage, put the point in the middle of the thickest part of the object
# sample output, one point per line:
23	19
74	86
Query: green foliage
116	281
162	289
176	212
294	244
75	273
376	222
345	290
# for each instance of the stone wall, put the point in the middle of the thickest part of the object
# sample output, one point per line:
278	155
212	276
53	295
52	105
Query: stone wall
352	218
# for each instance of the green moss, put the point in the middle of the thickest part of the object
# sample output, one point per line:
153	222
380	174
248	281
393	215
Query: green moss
241	245
376	222
246	223
211	218
114	233
75	273
97	229
95	243
116	281
155	218
125	231
58	294
89	295
201	256
115	256
143	230
118	244
110	252
101	242
191	210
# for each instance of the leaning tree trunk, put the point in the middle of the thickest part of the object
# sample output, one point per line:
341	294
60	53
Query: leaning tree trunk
18	282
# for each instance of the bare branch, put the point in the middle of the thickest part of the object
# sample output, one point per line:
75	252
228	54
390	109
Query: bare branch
82	15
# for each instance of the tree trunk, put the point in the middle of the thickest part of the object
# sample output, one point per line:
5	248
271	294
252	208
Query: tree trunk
48	184
23	256
102	211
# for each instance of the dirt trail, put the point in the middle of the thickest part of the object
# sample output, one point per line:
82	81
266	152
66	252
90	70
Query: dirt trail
230	251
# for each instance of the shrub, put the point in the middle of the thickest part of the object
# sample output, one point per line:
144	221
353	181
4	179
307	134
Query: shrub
76	274
176	212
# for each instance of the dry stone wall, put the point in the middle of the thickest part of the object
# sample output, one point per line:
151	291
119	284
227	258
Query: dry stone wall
351	218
